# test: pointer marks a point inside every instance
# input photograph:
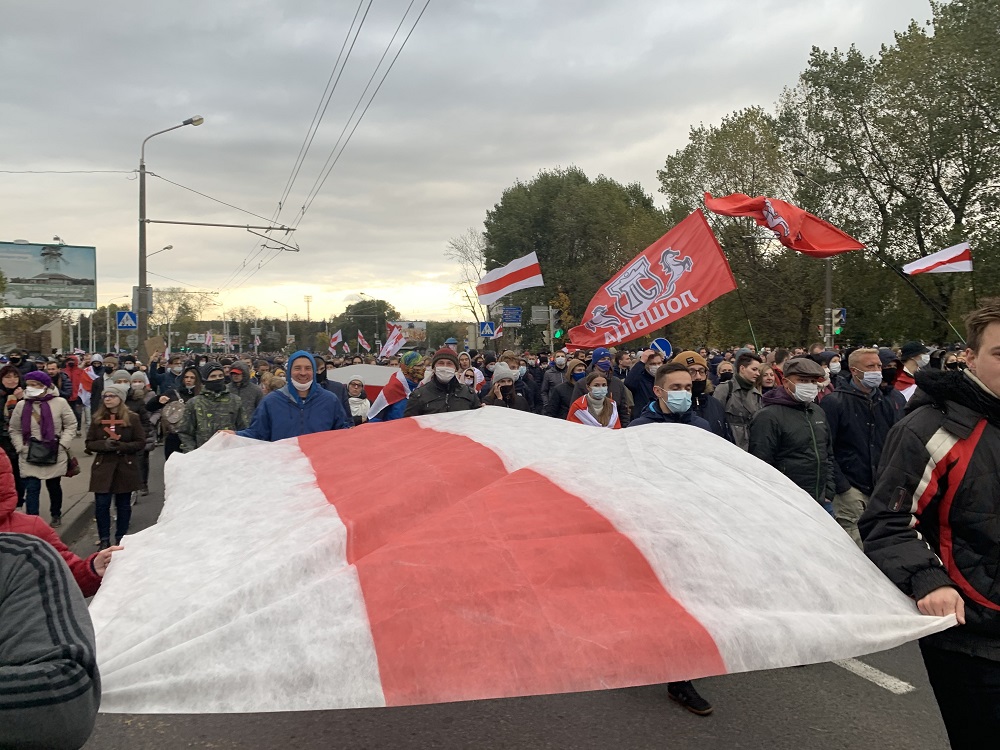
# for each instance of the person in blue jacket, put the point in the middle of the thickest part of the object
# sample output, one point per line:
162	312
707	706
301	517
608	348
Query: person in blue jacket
301	407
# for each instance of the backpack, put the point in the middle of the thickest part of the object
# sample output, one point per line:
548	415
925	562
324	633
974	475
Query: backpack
172	413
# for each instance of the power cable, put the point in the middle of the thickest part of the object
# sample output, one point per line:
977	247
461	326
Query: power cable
203	195
67	171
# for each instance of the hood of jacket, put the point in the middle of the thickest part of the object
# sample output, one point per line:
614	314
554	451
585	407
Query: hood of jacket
293	392
245	369
8	493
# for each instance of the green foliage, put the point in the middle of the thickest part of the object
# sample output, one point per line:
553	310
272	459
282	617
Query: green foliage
368	316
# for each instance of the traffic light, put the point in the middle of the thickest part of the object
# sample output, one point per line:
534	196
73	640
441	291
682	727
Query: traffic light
838	319
555	323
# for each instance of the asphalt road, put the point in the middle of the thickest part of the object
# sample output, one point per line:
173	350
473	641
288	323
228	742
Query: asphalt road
822	706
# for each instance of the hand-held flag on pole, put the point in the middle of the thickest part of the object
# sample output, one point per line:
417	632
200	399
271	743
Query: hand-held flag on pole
498	333
522	273
681	272
794	228
954	259
346	348
334	340
394	342
208	340
364	344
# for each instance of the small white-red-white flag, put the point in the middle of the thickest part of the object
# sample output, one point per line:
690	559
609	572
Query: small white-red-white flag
522	273
393	343
334	340
208	339
256	341
498	333
364	344
954	259
346	348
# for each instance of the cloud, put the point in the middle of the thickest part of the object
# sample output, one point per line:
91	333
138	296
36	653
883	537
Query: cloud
484	94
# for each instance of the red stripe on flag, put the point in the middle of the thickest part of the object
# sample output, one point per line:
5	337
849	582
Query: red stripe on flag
486	583
513	277
965	255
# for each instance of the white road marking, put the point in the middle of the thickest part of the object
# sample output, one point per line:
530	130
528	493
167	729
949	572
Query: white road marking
877	676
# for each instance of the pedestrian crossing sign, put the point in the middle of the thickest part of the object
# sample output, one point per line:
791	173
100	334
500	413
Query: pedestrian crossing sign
126	320
486	330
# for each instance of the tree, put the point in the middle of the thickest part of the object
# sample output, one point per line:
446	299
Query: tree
368	316
469	251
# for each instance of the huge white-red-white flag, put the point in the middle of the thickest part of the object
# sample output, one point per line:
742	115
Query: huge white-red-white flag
522	273
363	343
954	259
335	339
393	343
495	569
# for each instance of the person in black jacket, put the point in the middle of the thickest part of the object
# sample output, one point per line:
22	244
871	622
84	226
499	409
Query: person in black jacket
860	416
503	394
640	378
443	392
790	432
702	404
561	397
933	527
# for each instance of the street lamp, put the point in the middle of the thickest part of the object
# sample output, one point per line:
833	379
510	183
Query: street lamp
288	328
377	311
168	247
142	314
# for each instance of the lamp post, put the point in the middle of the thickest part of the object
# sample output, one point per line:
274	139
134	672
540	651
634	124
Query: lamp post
288	327
828	302
142	314
377	311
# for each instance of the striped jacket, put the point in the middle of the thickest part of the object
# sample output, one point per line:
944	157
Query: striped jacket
934	517
49	685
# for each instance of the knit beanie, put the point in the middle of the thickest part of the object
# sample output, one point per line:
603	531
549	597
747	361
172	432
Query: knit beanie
445	354
503	372
40	376
118	389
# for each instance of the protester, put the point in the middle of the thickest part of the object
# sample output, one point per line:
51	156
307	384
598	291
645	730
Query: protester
301	407
740	397
43	428
561	397
912	356
241	386
596	407
359	403
702	403
791	434
165	379
118	439
443	392
50	688
503	393
211	411
641	378
672	399
170	406
554	376
859	415
932	526
391	402
11	391
79	385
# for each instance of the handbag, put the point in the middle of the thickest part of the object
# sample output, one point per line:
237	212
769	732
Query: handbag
41	453
72	465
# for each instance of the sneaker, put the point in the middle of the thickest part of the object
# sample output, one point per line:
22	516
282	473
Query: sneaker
685	694
56	522
104	543
145	490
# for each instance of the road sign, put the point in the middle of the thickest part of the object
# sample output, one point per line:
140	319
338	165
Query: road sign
255	332
512	314
487	329
289	339
540	314
126	320
662	346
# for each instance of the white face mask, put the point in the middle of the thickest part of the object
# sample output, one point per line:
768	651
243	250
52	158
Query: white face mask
651	369
560	361
33	392
835	367
444	374
302	386
177	370
923	360
129	366
806	392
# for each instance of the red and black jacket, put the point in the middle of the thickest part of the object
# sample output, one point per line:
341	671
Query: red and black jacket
934	517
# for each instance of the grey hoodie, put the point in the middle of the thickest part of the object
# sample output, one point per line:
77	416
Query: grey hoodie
249	392
50	688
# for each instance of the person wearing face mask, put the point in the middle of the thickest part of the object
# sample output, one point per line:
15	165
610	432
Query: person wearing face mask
162	377
724	372
790	432
443	392
128	363
358	401
42	416
561	397
472	378
859	415
244	388
522	385
170	406
19	359
554	376
138	399
301	407
213	410
702	403
671	404
596	407
390	404
537	373
642	377
601	361
102	369
740	396
503	393
11	391
913	355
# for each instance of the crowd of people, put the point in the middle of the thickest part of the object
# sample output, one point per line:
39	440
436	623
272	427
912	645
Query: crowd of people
826	419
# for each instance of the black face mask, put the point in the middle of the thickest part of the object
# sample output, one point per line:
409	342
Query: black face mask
507	392
952	365
543	361
98	369
889	375
15	360
697	387
215	386
725	376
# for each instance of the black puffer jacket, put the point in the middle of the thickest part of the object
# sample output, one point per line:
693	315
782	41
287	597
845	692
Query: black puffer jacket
859	423
794	438
939	474
433	397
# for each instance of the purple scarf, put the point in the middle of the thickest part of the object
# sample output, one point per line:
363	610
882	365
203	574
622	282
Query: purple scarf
48	427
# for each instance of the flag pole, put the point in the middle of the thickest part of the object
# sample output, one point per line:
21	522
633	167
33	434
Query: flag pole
919	292
747	315
972	273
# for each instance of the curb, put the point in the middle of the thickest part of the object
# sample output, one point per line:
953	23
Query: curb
70	532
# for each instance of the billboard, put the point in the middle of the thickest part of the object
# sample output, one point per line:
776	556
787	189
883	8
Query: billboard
49	276
413	330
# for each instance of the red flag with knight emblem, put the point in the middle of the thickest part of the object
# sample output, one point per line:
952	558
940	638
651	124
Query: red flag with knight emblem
794	227
681	272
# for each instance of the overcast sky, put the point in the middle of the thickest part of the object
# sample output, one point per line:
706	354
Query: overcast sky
483	94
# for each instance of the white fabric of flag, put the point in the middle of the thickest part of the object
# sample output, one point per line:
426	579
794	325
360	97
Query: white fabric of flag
954	259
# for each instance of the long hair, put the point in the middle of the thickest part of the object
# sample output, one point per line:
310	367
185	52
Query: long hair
604	417
119	412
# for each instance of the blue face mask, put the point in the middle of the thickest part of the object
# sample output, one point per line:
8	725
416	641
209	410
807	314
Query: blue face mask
678	401
578	376
521	370
604	365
